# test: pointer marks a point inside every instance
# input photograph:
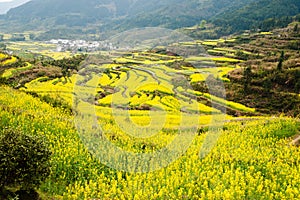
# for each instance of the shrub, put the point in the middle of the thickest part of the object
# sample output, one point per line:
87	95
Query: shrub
24	160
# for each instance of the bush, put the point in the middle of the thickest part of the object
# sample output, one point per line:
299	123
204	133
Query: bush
24	160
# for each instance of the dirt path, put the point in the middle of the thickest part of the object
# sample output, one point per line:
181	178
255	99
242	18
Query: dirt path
296	141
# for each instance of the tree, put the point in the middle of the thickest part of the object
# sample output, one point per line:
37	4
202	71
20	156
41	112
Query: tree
24	160
280	63
241	55
296	29
31	36
247	79
202	24
267	85
2	46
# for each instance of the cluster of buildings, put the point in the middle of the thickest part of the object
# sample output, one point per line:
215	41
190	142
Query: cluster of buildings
81	45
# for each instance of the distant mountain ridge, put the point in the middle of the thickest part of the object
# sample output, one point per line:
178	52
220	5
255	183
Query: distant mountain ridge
7	5
127	13
119	15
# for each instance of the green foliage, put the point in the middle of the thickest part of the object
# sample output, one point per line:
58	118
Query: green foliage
3	81
70	19
280	63
247	79
285	130
57	103
296	28
66	64
294	44
203	24
272	23
263	14
267	85
24	160
241	55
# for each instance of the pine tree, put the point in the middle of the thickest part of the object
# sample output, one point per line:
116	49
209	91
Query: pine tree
247	79
280	63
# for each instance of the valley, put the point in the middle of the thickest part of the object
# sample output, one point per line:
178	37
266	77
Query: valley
150	100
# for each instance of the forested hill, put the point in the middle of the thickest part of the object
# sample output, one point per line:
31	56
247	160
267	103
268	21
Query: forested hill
128	13
119	15
263	14
179	14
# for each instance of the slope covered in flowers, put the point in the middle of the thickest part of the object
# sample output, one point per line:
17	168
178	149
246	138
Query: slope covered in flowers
251	160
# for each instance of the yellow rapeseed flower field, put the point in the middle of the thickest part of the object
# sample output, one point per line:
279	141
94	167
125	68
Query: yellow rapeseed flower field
252	159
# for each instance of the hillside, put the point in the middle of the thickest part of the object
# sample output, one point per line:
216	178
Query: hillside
178	14
257	15
73	18
268	79
109	16
273	76
123	14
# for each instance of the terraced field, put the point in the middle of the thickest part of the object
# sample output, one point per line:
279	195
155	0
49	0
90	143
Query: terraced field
7	60
11	71
143	81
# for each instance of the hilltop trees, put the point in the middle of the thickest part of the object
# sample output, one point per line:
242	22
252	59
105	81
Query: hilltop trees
66	64
202	25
